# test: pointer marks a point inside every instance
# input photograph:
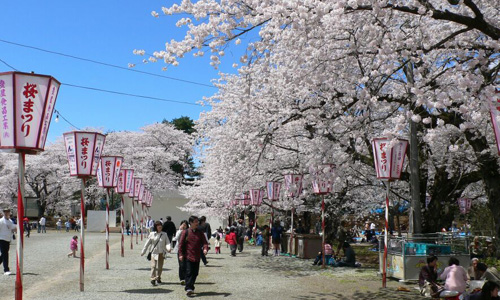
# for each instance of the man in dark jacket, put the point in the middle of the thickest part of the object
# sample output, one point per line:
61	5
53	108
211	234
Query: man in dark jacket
240	234
169	228
206	229
190	243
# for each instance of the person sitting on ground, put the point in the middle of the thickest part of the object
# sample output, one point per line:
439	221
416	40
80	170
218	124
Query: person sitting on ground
428	273
328	255
472	271
488	291
349	259
488	274
476	248
455	276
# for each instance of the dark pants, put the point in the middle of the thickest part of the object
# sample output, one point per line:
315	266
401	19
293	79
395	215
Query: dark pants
265	247
319	259
233	250
192	270
203	257
4	257
241	240
182	269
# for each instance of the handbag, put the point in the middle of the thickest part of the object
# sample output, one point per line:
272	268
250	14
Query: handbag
150	252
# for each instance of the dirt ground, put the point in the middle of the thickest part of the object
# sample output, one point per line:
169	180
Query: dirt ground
50	274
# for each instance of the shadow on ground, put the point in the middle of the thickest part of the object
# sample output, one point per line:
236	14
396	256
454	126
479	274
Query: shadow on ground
148	291
202	294
178	283
382	294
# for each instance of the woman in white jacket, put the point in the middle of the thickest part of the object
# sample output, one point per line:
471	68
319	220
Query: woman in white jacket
182	265
156	244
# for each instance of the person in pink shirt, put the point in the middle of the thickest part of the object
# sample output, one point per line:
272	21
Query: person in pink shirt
73	246
328	254
455	276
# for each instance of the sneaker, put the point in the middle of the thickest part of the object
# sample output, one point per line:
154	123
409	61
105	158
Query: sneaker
189	292
153	282
158	280
183	282
7	273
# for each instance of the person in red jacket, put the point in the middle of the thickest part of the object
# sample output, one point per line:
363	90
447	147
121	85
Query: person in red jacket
190	243
231	240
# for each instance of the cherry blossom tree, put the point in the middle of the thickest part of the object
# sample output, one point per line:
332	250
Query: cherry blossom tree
150	152
324	77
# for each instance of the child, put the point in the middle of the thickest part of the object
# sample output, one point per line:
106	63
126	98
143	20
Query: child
218	243
67	225
231	240
328	255
73	245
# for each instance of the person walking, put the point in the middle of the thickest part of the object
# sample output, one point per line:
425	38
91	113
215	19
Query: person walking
42	225
276	233
59	225
240	234
190	243
231	240
182	264
26	226
73	246
341	236
7	228
218	243
265	240
169	229
157	245
205	228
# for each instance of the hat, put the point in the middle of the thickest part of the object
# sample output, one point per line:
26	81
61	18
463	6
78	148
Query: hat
475	259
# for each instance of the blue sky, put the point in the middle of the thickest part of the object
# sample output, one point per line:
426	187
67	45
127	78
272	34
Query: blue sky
106	31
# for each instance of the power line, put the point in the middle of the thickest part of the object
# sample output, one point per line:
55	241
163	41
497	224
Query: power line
58	114
127	94
115	92
107	64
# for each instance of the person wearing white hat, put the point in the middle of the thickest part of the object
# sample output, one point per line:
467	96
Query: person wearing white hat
7	228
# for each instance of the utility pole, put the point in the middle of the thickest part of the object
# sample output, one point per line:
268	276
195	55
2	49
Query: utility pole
416	212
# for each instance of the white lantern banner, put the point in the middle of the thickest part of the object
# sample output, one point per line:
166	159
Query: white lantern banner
141	193
244	199
124	180
293	185
108	171
129	174
131	190
137	188
495	118
256	196
389	161
273	190
323	177
84	150
464	204
27	103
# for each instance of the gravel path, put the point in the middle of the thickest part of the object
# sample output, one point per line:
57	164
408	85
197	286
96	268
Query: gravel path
49	274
